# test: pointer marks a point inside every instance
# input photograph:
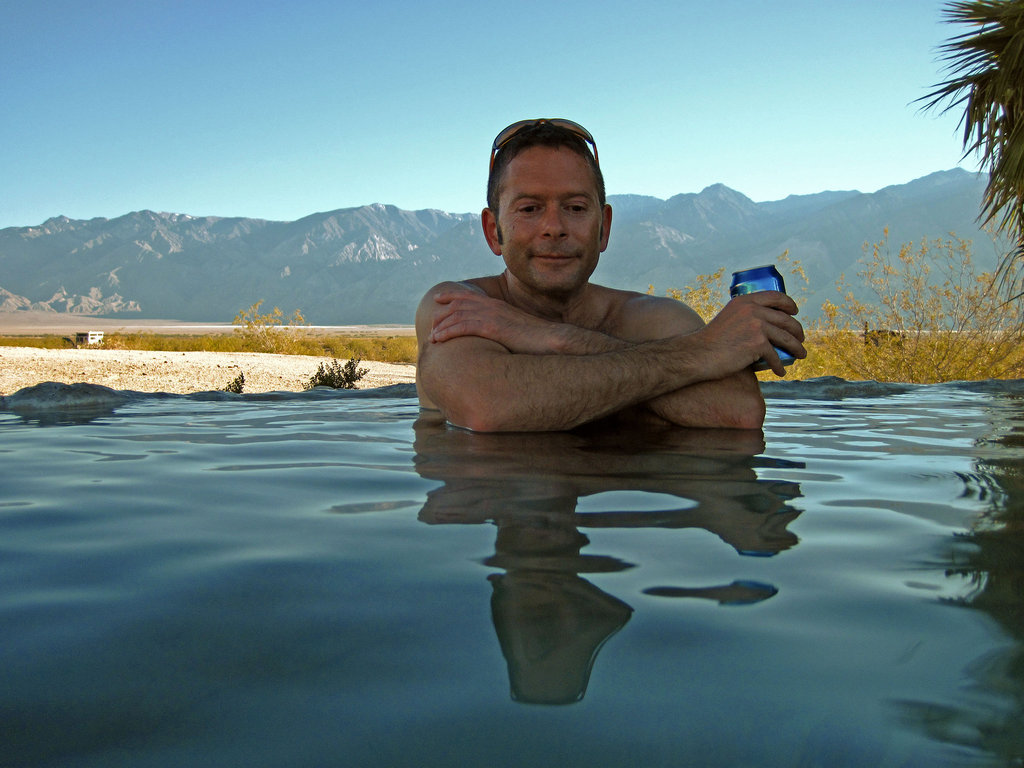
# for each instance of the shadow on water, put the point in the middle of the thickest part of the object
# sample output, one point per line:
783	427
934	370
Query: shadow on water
551	622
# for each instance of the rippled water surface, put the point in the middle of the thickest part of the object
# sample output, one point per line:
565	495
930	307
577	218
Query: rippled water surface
326	579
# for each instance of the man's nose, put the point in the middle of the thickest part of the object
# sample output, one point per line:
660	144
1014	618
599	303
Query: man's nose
554	222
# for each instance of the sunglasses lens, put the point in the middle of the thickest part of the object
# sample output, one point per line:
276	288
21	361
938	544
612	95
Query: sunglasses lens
507	135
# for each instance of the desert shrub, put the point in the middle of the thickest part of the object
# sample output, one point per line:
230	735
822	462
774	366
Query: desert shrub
821	358
237	384
157	342
389	349
47	341
706	298
267	332
711	292
933	318
337	376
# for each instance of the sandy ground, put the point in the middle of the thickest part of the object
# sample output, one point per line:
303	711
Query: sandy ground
64	324
177	372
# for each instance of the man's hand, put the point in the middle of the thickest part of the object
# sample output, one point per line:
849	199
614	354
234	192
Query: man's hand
467	312
471	313
749	328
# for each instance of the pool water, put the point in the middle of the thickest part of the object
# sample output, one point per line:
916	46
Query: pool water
331	579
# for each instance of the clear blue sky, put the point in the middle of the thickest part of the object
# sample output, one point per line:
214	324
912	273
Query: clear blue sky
278	109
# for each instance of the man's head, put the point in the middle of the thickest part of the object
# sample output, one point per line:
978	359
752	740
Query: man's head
549	221
554	133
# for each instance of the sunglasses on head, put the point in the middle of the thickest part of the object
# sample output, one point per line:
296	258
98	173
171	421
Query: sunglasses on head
509	133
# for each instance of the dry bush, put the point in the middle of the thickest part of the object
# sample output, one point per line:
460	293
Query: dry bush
711	292
389	349
385	349
706	298
267	332
47	341
934	318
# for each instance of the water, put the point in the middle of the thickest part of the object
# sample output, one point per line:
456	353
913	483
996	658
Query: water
325	579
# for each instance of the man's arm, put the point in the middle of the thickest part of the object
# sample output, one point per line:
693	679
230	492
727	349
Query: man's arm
481	383
489	367
732	401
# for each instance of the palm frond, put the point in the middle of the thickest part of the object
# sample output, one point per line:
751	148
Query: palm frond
986	79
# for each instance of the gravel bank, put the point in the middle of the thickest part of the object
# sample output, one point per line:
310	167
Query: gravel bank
177	372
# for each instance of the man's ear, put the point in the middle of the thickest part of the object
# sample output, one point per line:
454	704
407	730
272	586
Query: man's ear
492	230
606	226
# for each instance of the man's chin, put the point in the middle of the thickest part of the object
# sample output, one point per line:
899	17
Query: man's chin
559	284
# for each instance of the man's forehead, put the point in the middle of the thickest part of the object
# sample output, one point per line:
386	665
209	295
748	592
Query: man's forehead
549	169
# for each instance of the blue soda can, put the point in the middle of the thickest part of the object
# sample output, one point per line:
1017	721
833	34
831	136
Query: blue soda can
766	278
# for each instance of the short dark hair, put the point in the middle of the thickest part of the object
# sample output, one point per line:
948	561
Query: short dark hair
540	135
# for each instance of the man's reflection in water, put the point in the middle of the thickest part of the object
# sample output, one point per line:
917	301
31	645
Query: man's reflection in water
550	621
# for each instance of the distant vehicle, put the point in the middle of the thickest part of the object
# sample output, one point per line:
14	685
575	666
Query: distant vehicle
88	338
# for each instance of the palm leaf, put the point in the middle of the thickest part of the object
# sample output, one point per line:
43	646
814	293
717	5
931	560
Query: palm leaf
986	68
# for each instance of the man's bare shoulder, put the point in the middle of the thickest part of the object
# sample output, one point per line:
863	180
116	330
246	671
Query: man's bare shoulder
491	285
485	285
636	316
439	362
473	284
428	305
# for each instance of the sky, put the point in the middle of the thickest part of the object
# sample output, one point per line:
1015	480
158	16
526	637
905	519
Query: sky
276	110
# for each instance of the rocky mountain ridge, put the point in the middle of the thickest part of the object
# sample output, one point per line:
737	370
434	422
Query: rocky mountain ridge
371	264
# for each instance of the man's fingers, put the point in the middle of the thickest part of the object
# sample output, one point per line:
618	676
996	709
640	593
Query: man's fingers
791	332
788	339
776	311
449	324
775	299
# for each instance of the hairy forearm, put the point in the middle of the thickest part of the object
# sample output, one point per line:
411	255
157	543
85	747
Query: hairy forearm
733	402
525	392
574	340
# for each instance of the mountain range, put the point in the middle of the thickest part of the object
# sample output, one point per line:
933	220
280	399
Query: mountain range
371	264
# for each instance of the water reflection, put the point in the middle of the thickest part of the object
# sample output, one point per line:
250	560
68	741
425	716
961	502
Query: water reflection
551	622
991	556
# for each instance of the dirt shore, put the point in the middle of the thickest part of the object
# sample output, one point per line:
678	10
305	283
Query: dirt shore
65	324
177	372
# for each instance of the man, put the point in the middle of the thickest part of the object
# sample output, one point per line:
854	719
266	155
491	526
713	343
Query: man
539	347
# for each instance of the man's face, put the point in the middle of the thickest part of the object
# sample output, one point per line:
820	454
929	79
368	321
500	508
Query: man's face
552	225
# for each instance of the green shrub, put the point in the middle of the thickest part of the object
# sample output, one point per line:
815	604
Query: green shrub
337	376
236	385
